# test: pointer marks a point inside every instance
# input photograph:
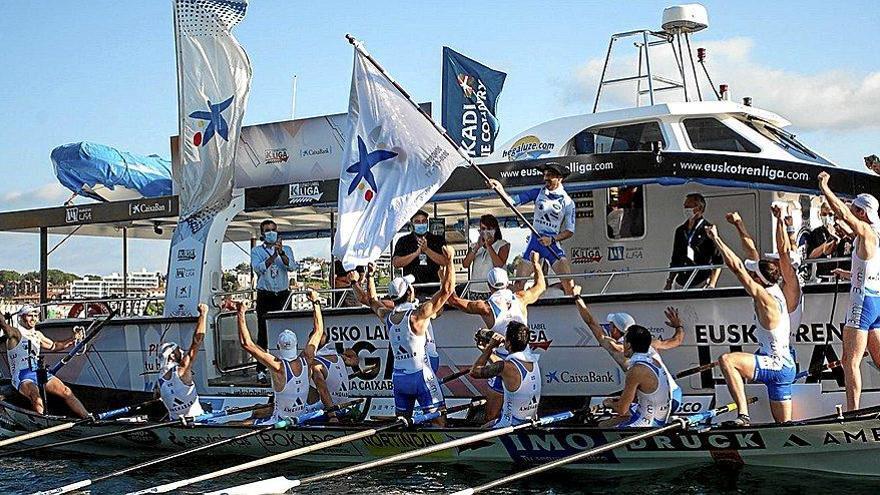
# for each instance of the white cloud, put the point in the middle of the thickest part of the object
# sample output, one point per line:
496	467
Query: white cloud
832	99
49	194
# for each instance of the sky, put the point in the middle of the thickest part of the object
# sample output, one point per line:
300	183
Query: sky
104	71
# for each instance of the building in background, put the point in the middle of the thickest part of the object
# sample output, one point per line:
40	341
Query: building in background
140	284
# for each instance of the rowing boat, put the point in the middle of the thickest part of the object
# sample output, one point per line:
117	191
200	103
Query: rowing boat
829	444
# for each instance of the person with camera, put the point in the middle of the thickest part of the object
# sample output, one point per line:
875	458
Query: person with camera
832	239
490	251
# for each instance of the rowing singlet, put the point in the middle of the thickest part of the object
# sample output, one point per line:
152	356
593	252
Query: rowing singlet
179	398
430	343
774	343
337	377
24	355
554	210
506	307
521	405
864	296
651	409
291	401
409	350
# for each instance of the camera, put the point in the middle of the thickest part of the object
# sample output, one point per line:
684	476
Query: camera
483	336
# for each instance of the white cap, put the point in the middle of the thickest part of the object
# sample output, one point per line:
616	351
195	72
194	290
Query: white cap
27	309
398	287
497	278
868	203
755	267
166	351
287	345
621	320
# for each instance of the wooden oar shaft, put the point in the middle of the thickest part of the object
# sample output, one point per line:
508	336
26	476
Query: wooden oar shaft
696	369
452	376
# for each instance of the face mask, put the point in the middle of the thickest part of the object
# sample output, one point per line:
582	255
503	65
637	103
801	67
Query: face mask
828	219
420	228
271	237
687	214
488	233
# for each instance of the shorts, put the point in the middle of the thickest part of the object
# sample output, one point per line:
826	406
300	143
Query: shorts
28	375
552	253
636	420
420	386
778	378
501	423
496	384
435	363
864	311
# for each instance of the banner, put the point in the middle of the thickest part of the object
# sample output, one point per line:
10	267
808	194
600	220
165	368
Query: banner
214	77
394	162
470	93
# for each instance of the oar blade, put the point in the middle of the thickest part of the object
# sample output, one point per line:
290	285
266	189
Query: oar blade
66	488
271	485
38	433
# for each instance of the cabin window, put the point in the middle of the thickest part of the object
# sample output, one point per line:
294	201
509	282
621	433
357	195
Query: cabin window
625	212
711	134
634	137
784	140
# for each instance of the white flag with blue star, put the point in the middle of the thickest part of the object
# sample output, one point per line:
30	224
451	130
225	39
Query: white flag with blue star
214	79
395	161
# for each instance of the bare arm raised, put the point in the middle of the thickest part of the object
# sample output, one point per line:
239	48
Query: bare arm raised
189	358
244	338
427	310
534	292
745	238
862	229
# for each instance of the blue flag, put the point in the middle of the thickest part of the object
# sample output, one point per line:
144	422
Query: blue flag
470	93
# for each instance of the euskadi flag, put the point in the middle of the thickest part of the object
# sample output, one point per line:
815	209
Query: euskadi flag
214	79
395	161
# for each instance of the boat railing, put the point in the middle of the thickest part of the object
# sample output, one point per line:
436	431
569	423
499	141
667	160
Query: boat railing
122	306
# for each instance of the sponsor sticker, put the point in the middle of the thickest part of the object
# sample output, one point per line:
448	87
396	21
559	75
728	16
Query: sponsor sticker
528	148
148	207
275	155
304	193
76	214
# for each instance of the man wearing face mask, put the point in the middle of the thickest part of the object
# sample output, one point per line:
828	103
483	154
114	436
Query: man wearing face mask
829	240
271	261
420	254
691	247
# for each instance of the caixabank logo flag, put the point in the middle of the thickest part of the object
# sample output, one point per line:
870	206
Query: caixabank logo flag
528	148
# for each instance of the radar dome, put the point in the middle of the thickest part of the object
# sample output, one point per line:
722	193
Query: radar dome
688	18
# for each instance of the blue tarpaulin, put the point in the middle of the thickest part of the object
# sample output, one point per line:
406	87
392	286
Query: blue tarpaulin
95	165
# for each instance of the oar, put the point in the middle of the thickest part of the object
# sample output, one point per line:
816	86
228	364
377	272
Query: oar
679	423
281	484
452	376
78	347
182	421
66	426
397	423
696	369
284	423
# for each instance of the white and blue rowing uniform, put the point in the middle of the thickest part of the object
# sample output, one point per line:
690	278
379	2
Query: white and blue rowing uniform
554	213
521	405
430	343
23	357
864	294
180	399
677	395
651	409
413	381
774	363
506	307
293	398
336	380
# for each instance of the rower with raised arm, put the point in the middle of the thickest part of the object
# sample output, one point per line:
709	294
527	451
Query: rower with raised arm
613	339
175	385
518	371
413	380
863	316
554	221
23	345
647	398
290	370
502	307
786	259
772	364
330	372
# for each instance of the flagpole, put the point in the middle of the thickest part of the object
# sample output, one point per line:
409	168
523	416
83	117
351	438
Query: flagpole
504	199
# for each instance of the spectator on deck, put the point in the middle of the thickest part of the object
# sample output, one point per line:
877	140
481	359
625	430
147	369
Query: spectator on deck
420	254
832	239
271	262
490	251
692	247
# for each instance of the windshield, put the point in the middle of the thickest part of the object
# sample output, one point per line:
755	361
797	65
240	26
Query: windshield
784	140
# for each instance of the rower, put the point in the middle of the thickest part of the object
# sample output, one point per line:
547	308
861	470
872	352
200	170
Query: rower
329	371
23	346
863	316
518	371
772	364
554	221
647	398
413	379
502	307
290	370
787	260
175	386
613	340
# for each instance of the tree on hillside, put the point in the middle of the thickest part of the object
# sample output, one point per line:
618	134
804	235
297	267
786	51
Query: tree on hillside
9	276
243	267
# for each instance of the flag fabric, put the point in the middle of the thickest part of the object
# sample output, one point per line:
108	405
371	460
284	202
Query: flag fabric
470	94
395	160
214	79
